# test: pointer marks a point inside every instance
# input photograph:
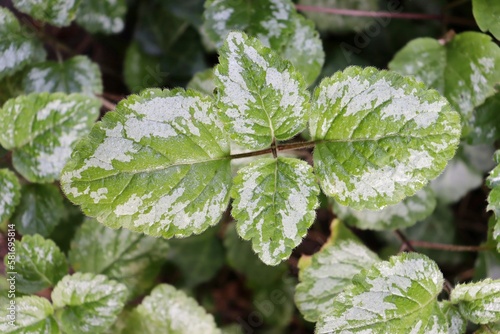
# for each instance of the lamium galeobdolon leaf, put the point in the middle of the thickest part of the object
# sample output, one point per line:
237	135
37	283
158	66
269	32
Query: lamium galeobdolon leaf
465	69
42	129
33	314
397	296
158	164
167	310
10	193
479	301
75	75
380	136
261	96
274	203
18	47
87	303
327	273
56	12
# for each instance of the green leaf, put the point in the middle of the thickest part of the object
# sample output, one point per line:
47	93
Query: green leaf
478	302
10	193
396	296
327	273
141	70
493	181
199	257
261	96
489	328
39	264
267	20
242	259
381	136
486	13
40	210
129	258
486	122
340	23
42	129
33	314
403	214
274	203
456	323
158	165
203	82
304	48
106	16
178	314
275	304
87	303
76	75
18	47
463	70
56	12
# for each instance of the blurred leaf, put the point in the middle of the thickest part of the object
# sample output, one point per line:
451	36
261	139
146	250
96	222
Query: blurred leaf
486	122
87	303
56	12
199	256
141	70
40	210
10	194
33	314
106	16
75	75
456	323
18	46
340	23
275	303
189	10
403	214
203	82
486	13
242	258
39	264
179	314
130	258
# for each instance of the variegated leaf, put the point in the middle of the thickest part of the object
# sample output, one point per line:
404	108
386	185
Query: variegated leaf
76	75
327	273
403	214
158	164
33	314
478	302
87	303
274	205
397	296
493	182
10	193
167	310
43	128
18	47
261	96
380	136
456	322
464	70
105	16
56	12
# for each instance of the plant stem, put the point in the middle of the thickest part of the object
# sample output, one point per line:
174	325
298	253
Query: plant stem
106	103
448	247
279	147
394	15
404	240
